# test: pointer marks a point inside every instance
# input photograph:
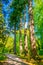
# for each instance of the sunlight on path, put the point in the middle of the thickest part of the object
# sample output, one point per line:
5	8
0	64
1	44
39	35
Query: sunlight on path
15	60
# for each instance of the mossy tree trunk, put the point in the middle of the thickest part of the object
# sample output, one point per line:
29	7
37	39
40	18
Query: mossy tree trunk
15	38
20	37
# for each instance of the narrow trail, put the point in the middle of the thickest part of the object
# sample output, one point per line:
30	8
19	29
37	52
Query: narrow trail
15	60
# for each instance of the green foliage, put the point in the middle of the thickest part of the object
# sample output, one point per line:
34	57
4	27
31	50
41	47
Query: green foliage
2	36
9	45
41	52
18	6
17	43
2	57
38	18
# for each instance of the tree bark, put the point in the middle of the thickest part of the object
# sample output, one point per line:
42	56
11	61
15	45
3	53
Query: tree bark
32	37
25	42
20	38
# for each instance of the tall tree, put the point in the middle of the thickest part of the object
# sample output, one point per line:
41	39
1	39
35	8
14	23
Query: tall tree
13	23
2	28
1	21
32	37
18	7
25	34
20	33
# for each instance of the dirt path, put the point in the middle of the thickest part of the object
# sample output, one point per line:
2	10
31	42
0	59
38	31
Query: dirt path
15	60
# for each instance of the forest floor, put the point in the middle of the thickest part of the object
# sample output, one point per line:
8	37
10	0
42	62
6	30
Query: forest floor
14	60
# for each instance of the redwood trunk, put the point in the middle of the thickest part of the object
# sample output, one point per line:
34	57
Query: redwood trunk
20	38
32	38
25	42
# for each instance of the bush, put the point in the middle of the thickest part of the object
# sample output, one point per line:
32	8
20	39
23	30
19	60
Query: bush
2	57
41	52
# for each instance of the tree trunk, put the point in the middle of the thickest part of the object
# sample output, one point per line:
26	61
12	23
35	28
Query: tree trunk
15	39
20	38
25	42
25	34
32	38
